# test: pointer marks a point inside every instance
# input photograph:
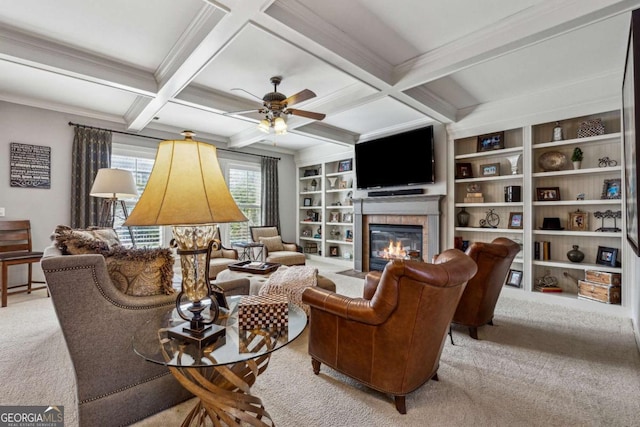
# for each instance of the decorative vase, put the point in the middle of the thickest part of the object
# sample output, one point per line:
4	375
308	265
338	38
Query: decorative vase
575	255
557	133
463	218
514	163
577	164
332	181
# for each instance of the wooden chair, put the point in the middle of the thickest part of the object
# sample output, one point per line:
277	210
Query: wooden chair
15	249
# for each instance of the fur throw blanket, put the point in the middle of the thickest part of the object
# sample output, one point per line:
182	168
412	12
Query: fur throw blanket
291	281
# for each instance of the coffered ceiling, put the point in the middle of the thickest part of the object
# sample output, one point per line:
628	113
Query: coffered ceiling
377	67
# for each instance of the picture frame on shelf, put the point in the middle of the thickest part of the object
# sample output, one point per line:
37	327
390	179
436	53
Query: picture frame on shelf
347	217
307	201
334	217
490	169
348	236
311	172
490	141
548	194
334	251
578	221
612	189
514	278
342	185
464	170
515	220
345	165
630	132
607	256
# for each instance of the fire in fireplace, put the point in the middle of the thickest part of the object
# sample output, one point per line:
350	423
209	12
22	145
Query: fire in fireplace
388	241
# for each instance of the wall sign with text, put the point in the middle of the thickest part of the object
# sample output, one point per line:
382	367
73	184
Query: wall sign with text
30	165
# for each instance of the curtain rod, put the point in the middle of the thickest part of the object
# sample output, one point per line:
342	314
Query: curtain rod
162	139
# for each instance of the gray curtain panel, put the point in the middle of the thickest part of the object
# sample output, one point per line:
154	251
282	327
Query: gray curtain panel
91	151
270	197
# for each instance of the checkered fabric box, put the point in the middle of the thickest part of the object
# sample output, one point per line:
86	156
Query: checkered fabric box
590	128
263	311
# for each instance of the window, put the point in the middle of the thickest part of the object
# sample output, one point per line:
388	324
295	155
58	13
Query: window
244	182
144	236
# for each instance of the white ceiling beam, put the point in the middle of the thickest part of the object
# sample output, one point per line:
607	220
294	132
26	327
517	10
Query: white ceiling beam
178	74
27	50
530	26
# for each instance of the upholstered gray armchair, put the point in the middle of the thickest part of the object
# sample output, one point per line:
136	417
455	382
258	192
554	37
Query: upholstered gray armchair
115	386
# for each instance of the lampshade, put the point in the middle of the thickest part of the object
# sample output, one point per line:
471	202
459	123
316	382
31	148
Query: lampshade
280	126
264	125
186	187
114	183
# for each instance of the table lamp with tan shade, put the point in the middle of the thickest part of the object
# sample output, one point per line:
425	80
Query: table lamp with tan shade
186	189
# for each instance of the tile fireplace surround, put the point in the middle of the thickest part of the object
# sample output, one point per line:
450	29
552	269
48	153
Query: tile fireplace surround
416	210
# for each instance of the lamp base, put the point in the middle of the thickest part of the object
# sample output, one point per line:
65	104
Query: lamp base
198	337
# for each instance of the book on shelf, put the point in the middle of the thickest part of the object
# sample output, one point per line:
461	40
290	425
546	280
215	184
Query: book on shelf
546	251
474	199
541	288
536	250
474	195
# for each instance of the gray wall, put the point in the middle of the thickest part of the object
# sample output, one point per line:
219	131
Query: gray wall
46	208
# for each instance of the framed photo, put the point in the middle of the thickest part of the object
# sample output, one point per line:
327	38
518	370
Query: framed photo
492	169
547	194
463	170
347	217
579	221
612	189
491	141
345	165
607	256
334	251
515	220
307	201
630	132
335	217
342	185
514	278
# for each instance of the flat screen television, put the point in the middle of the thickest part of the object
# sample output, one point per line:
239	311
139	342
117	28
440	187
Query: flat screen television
403	159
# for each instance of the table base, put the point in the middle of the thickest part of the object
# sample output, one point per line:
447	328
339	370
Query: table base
224	393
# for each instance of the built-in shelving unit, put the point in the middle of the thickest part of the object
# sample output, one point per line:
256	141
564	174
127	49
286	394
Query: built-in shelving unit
581	190
325	225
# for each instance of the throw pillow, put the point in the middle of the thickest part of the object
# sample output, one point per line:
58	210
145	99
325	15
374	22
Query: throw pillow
272	243
90	241
141	271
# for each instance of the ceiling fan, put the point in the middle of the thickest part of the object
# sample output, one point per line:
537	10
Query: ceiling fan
276	104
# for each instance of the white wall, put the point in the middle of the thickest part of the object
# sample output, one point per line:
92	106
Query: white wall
47	208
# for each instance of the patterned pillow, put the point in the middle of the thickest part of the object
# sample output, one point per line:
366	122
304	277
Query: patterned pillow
272	244
93	240
141	271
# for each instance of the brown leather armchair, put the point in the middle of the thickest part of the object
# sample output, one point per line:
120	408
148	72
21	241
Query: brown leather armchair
392	338
479	298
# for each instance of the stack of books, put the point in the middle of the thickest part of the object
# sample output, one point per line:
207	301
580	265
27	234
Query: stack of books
547	288
474	198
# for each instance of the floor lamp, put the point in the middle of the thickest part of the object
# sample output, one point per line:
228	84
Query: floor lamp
113	185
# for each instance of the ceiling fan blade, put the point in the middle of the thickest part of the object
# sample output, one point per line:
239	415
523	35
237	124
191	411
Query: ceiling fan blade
255	96
300	96
253	110
307	114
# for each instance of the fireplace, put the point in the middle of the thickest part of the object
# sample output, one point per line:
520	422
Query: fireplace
388	241
421	211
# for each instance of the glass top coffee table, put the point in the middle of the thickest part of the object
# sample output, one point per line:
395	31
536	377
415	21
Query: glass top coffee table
222	373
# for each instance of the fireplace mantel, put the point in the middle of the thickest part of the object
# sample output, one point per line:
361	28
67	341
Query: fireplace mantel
427	206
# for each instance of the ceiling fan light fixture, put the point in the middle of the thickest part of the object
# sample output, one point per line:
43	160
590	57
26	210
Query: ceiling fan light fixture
280	126
264	125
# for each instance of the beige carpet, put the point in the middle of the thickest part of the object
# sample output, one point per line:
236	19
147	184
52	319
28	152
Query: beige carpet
541	365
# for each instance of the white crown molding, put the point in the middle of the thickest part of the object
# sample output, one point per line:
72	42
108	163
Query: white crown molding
579	98
61	108
25	49
528	27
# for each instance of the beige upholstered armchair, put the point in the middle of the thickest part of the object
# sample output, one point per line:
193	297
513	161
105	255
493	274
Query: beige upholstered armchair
219	259
391	338
275	250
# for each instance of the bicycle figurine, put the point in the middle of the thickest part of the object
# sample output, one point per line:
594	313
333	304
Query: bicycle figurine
491	220
606	161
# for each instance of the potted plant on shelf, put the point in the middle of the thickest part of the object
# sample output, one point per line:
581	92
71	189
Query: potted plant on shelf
576	157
